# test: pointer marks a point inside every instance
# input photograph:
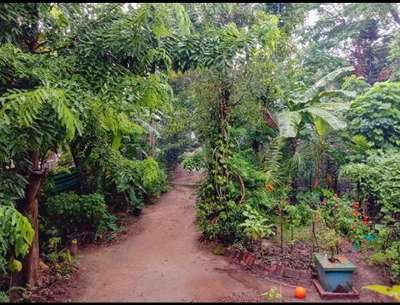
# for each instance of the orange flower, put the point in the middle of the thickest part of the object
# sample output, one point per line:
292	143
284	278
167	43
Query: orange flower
355	204
356	213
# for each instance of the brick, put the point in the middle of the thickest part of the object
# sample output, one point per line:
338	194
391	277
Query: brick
250	259
278	270
271	269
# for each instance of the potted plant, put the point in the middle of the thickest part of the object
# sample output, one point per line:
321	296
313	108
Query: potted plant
335	272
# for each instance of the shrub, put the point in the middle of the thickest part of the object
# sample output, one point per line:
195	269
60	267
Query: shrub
220	221
16	235
223	219
193	162
256	225
152	177
378	179
375	114
125	182
70	215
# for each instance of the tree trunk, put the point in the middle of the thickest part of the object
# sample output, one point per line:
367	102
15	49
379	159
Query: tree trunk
30	208
315	182
318	165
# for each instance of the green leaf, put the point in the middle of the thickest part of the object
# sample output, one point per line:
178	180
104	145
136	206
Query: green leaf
287	123
328	117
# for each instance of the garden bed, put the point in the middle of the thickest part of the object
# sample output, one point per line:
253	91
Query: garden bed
292	264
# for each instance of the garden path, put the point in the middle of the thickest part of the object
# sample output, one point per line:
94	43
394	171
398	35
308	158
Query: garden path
162	259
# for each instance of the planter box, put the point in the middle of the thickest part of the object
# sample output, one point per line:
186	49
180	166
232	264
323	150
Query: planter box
334	277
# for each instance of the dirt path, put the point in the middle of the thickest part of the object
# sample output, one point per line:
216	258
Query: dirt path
161	259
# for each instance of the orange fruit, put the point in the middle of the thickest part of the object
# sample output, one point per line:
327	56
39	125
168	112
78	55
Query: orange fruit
300	292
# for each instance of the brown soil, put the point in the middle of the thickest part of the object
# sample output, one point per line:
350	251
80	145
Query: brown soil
162	259
298	256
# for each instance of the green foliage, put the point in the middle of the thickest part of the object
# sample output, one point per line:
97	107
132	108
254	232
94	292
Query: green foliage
16	235
153	178
109	87
4	297
329	241
60	259
129	179
69	216
193	162
272	295
336	212
387	250
375	114
256	226
220	221
393	291
298	215
378	179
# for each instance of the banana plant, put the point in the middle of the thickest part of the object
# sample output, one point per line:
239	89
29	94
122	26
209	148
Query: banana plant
316	107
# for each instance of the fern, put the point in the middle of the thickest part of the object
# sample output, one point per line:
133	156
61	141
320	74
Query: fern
273	160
